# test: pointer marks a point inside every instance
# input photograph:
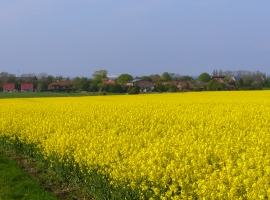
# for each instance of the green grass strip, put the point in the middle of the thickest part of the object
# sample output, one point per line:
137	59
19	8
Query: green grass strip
4	95
18	184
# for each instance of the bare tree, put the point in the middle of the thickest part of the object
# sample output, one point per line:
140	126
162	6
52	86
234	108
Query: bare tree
42	75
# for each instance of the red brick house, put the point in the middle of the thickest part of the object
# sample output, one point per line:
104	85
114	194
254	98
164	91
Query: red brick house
141	83
27	87
8	87
179	85
60	85
110	81
218	78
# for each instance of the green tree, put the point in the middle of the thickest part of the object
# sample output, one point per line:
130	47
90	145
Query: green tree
215	85
185	78
100	75
84	84
123	78
145	78
39	86
166	77
229	80
215	72
247	82
3	75
171	88
239	83
124	88
257	85
58	78
267	83
43	81
81	84
76	82
103	88
220	73
205	77
134	90
115	88
196	86
159	87
211	85
11	79
155	78
93	87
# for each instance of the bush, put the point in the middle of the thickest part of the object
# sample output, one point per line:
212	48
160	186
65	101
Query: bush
134	90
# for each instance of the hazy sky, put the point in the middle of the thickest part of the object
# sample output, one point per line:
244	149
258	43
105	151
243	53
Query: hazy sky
142	37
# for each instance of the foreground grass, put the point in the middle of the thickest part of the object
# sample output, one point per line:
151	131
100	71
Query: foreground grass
26	177
18	184
4	95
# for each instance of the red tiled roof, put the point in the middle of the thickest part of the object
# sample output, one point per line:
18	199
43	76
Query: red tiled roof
61	84
9	86
27	86
110	81
176	83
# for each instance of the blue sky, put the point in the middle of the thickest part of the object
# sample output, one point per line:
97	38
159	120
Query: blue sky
142	37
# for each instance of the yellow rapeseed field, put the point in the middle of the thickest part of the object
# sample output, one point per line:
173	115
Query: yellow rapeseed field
205	145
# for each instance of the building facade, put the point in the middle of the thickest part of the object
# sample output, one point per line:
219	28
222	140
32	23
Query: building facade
140	83
27	87
8	87
60	85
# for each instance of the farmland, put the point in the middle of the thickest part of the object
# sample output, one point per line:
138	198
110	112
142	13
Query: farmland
212	145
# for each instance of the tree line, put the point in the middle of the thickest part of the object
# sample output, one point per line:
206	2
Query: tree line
246	80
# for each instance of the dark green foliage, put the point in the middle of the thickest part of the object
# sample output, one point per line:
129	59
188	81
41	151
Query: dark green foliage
100	75
171	88
185	78
267	83
159	87
256	85
166	77
103	88
145	78
123	78
133	90
247	82
215	86
155	78
124	88
93	87
205	77
81	84
239	83
60	90
115	88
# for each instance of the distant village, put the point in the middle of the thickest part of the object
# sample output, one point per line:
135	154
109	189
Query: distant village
125	83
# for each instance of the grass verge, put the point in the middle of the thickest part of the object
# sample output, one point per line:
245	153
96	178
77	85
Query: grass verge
15	183
24	177
4	95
